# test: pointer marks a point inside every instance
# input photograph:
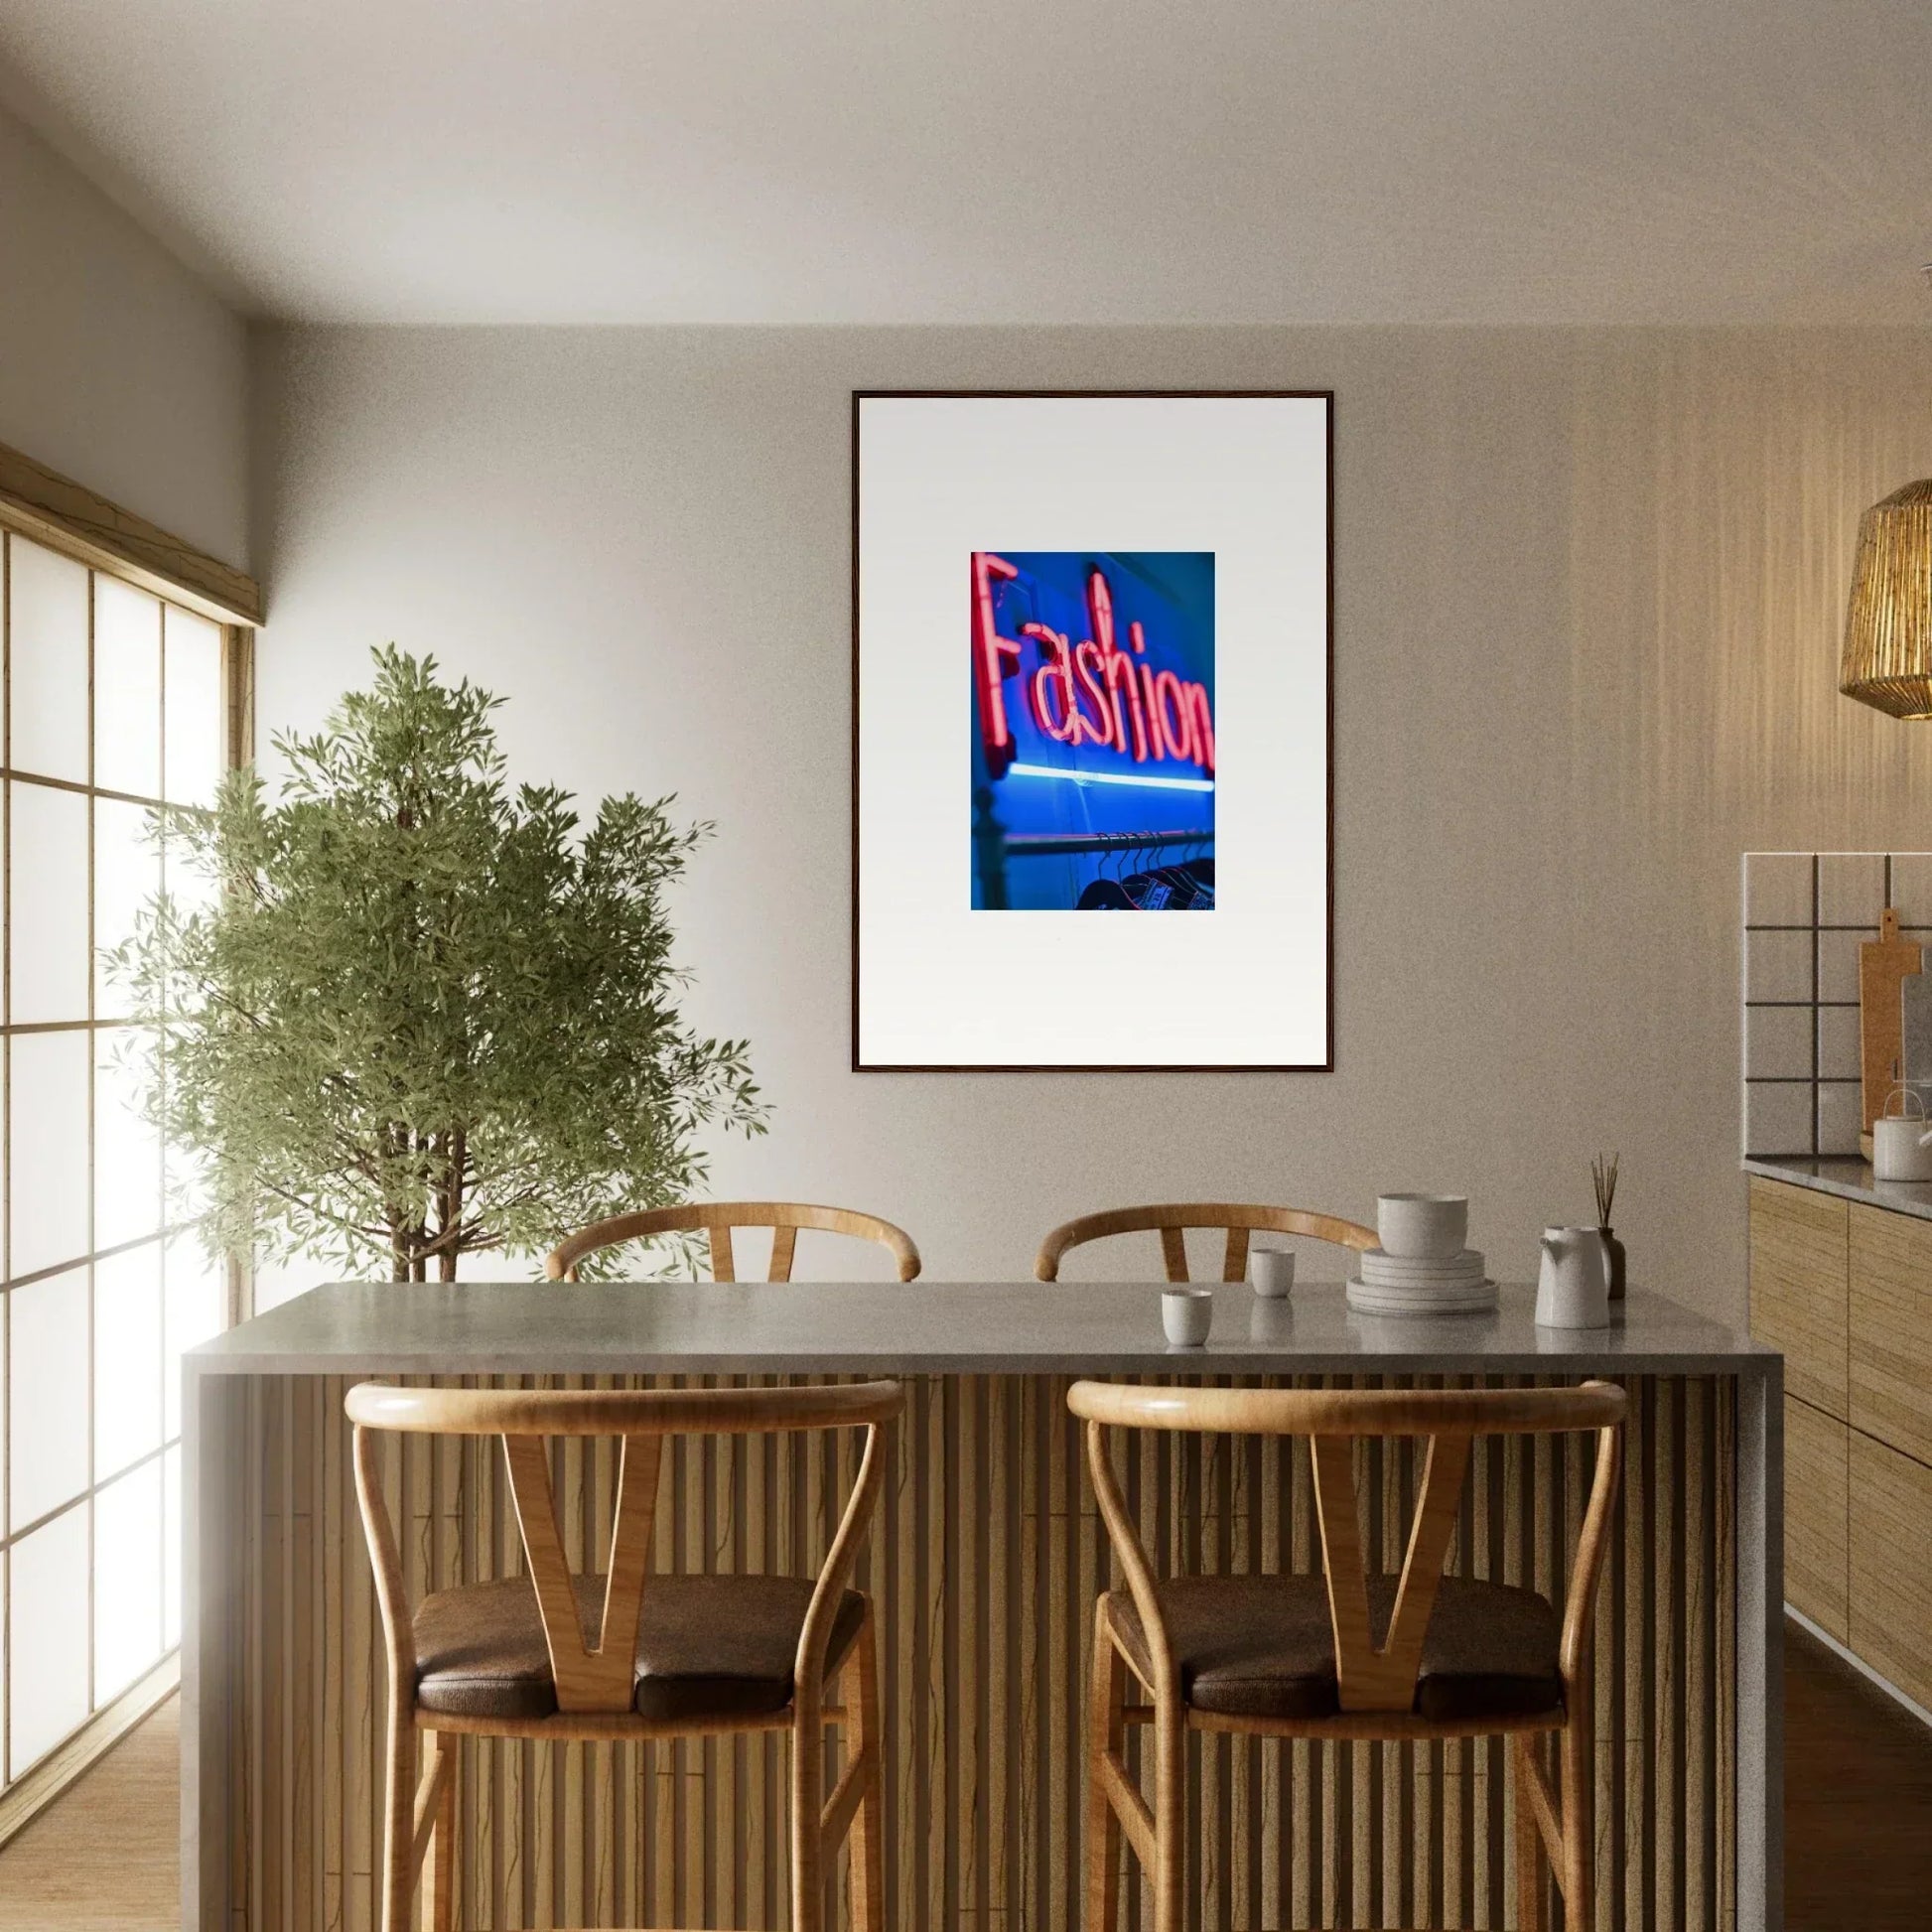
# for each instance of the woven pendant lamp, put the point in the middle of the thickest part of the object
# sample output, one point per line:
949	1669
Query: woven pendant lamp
1887	660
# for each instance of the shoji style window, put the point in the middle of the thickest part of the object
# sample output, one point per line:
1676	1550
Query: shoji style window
116	699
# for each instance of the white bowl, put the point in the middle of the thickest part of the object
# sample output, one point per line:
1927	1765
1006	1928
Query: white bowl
1415	1227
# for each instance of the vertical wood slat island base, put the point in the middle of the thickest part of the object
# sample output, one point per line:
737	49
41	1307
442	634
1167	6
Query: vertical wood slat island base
984	1561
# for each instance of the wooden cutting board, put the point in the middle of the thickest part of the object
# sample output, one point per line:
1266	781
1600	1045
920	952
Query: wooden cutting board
1885	964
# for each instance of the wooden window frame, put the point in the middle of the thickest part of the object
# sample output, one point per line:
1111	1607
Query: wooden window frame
45	507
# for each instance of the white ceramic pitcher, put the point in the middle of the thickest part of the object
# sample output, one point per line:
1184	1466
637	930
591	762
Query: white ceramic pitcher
1573	1291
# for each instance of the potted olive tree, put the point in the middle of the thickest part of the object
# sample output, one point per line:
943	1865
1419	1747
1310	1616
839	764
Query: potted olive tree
415	1014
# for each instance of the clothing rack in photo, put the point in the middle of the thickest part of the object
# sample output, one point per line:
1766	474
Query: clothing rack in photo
994	848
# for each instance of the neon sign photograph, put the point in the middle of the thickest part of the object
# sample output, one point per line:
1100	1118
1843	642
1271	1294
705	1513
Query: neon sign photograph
1141	583
1092	730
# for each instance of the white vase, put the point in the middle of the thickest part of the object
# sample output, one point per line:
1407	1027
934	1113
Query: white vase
1572	1289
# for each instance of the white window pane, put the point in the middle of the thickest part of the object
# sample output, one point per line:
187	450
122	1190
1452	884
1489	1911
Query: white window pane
47	1601
127	1358
191	767
48	1121
127	1151
185	1171
127	877
197	1306
48	662
127	1579
190	888
47	1413
127	689
48	919
275	1282
171	1548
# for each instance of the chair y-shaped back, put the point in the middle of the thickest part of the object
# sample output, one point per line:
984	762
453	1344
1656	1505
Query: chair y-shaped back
717	1218
1171	1219
605	1660
1369	1684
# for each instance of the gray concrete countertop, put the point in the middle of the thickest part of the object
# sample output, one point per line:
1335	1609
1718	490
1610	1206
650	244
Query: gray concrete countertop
1851	1179
930	1328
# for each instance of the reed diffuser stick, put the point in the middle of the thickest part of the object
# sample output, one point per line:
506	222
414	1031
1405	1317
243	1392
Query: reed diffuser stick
1603	1175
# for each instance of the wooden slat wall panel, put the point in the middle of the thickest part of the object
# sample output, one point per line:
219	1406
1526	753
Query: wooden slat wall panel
985	1562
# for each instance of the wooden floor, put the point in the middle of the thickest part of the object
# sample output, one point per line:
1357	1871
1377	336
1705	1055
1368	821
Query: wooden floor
106	1857
1858	1801
1857	1820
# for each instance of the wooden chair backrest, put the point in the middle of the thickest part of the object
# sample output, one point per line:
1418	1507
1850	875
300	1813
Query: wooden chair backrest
1173	1219
1372	1675
597	1677
717	1218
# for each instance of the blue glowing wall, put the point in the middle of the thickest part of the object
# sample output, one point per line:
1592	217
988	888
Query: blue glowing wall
1092	728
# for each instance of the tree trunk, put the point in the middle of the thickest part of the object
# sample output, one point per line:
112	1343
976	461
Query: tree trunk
452	1148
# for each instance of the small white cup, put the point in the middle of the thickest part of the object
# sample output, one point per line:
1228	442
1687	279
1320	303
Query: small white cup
1423	1226
1186	1314
1272	1271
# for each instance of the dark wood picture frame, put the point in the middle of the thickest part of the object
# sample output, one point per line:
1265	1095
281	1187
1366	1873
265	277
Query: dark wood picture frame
1324	396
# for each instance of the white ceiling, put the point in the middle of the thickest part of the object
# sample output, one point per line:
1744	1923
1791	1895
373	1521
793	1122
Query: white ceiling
1100	161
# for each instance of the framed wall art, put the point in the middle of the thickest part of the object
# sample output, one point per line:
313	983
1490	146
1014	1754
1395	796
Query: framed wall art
1091	671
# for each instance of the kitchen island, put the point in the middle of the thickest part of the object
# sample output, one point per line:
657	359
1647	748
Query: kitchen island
985	1559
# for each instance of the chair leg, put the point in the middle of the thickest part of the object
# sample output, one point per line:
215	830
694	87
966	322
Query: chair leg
1170	1812
1578	1747
438	1875
1106	1735
1532	1892
807	1812
399	1822
860	1693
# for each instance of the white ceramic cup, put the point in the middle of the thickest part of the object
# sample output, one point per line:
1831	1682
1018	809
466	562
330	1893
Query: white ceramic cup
1423	1226
1272	1271
1186	1314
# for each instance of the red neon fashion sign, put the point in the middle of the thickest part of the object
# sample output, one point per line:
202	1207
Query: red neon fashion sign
1086	693
990	652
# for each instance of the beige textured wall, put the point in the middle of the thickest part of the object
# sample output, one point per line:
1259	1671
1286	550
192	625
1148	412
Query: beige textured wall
1589	585
117	367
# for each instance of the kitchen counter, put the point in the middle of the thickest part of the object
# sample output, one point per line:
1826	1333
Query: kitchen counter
930	1328
1849	1176
984	1558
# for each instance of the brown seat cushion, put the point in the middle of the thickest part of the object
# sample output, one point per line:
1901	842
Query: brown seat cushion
1263	1647
708	1647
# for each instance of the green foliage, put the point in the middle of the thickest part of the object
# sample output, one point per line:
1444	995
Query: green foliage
420	1016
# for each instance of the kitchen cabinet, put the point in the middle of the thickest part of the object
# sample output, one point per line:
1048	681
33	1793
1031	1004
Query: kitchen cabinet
1891	1566
1841	1280
1799	1275
1891	1330
1817	1504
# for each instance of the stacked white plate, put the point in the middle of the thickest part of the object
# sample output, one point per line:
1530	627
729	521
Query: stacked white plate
1422	1285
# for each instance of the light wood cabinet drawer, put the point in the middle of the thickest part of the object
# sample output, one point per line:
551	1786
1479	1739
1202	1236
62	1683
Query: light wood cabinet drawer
1891	1566
1799	1289
1891	1330
1817	1516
